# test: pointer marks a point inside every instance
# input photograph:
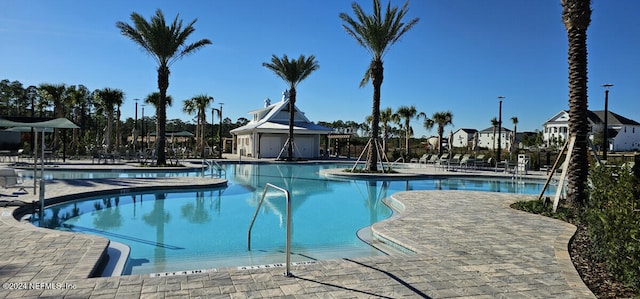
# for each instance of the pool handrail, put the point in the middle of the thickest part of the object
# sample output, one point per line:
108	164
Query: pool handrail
288	245
396	161
213	164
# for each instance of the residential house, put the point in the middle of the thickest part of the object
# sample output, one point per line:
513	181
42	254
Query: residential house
623	134
464	138
486	138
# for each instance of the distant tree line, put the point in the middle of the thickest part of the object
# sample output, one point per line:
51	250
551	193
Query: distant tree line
97	113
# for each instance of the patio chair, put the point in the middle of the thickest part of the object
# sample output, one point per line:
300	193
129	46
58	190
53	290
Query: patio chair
10	178
433	159
443	161
455	160
502	164
467	161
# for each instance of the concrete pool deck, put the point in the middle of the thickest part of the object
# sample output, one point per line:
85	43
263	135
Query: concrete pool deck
467	244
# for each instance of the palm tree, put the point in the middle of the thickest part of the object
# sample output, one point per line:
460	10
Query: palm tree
55	94
386	117
442	119
292	72
514	120
109	99
376	33
494	123
406	113
154	100
576	15
78	96
199	105
166	44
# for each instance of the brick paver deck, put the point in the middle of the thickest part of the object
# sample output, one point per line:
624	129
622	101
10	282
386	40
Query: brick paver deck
467	245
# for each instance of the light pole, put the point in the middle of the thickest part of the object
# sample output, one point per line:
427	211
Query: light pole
135	128
499	127
213	110
605	139
142	131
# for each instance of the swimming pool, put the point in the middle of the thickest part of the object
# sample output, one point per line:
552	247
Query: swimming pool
204	229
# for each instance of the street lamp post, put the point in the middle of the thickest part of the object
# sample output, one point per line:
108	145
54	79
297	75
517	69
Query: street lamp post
220	134
142	131
499	127
213	110
135	128
605	139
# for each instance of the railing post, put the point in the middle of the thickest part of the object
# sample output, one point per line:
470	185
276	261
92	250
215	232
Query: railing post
288	242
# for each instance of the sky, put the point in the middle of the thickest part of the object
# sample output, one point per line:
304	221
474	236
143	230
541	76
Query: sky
459	57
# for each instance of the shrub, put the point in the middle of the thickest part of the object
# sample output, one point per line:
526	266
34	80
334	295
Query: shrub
545	208
612	213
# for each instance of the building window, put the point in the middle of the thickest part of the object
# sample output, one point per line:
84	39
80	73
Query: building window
555	130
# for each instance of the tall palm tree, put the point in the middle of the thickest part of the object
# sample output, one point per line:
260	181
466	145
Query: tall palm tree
109	99
514	120
376	33
198	104
442	119
406	113
576	15
494	123
166	43
293	72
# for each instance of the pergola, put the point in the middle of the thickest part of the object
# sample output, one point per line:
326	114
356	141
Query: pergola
42	126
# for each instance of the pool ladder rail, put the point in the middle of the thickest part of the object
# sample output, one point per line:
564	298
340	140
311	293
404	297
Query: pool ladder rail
287	272
215	168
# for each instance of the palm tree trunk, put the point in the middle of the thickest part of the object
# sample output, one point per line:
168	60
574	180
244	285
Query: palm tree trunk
161	141
377	71
578	125
494	140
292	104
107	134
197	149
407	135
440	133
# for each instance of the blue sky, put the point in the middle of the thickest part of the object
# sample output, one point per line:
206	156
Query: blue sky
461	56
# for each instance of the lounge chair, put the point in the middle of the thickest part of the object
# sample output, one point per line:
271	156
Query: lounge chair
422	159
10	178
443	161
455	160
433	159
467	161
502	164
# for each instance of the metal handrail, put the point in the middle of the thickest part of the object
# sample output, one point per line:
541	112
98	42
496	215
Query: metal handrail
288	246
213	165
396	161
218	168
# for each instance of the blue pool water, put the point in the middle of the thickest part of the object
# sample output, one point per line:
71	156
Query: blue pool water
203	229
